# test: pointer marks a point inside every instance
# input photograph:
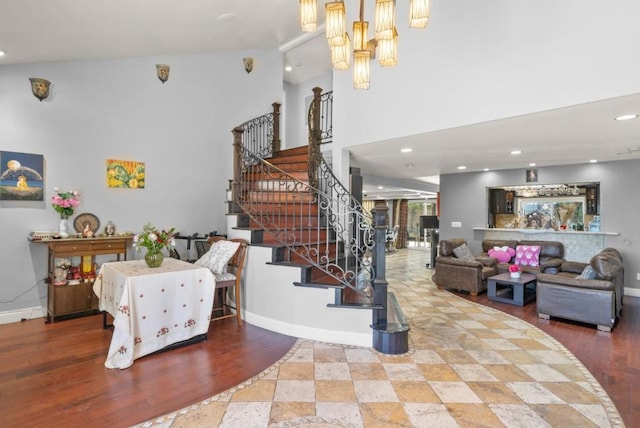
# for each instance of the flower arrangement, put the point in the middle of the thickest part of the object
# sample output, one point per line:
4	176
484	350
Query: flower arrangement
154	240
63	264
65	202
514	268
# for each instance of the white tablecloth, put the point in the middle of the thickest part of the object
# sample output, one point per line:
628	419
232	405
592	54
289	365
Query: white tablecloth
153	307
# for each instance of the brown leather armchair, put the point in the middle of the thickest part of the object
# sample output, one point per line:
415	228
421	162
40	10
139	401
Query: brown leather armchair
462	275
593	301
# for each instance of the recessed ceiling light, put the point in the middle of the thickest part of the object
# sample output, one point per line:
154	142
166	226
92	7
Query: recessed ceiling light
380	187
532	164
593	161
516	152
226	17
1	53
627	117
288	68
486	169
406	150
462	167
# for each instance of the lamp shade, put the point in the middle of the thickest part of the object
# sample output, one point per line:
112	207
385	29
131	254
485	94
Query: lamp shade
341	55
308	15
361	69
360	35
418	13
388	51
336	23
385	19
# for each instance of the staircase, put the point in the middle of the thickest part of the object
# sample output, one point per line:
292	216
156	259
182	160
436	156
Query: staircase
290	202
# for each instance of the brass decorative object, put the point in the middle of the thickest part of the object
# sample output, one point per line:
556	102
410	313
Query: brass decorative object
163	72
248	64
39	87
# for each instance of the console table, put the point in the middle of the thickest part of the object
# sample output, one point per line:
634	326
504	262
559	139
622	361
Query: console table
153	308
77	299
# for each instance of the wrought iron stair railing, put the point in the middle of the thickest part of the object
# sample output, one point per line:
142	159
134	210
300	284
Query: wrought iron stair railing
307	211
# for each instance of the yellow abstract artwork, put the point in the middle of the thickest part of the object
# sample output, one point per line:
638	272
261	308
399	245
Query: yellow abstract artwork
124	174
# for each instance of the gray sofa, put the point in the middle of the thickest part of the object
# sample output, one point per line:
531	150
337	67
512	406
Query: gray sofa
593	301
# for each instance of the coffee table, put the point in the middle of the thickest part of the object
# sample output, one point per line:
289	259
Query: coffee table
515	291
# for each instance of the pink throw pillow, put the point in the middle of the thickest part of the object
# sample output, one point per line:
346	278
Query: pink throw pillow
502	254
528	255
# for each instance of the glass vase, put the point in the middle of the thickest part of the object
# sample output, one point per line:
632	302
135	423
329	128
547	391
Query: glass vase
154	258
63	227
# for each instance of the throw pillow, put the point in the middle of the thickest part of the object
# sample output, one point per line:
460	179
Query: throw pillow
502	254
463	252
528	255
587	273
218	256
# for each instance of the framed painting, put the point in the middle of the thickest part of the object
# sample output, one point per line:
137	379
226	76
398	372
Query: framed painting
123	174
21	176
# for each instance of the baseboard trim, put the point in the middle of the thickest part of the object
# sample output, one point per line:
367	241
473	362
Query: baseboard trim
18	315
311	333
633	292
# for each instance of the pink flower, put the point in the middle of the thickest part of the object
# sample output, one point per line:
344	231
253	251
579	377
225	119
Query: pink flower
514	268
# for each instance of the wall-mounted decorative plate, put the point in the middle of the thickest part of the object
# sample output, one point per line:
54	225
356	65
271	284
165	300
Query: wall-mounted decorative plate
83	219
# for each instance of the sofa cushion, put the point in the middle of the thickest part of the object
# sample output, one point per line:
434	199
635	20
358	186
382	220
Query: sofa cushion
464	253
502	254
606	264
446	246
528	255
587	273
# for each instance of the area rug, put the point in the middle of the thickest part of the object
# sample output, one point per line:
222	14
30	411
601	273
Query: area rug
468	366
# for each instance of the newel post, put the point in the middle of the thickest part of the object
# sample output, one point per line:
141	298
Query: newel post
275	144
237	165
380	220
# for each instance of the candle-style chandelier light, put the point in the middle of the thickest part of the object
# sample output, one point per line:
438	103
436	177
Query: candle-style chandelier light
364	49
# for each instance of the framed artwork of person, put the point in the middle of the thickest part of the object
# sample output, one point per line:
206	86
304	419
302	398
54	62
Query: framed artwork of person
532	176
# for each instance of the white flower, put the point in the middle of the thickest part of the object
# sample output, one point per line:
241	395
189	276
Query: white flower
153	237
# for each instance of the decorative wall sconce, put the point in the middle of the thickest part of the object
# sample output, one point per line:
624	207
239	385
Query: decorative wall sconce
163	72
248	64
39	88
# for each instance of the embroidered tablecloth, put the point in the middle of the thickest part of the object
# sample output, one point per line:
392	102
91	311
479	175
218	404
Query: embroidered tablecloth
153	307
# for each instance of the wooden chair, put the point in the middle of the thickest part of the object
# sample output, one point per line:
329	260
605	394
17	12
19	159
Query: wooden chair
232	278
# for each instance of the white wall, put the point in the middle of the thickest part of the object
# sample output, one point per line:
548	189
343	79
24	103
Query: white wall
479	61
119	109
296	109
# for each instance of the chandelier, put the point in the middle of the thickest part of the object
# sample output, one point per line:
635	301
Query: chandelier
364	49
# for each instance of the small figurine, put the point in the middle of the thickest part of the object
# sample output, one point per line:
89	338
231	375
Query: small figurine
110	229
87	232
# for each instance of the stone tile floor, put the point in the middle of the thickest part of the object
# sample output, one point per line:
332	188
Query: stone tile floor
468	366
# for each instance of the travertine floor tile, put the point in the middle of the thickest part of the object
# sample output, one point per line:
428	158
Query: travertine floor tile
296	371
335	390
295	390
374	391
281	412
262	390
384	415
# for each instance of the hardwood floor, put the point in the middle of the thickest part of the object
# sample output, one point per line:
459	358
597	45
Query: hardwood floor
612	358
53	374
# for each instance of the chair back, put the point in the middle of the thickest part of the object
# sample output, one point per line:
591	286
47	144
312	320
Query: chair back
236	262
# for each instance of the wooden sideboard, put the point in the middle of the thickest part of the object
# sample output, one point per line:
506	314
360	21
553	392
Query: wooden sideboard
77	299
